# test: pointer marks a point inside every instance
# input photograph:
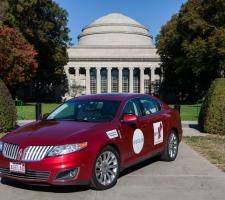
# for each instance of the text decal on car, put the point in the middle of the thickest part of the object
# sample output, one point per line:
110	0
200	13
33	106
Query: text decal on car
158	132
138	141
112	134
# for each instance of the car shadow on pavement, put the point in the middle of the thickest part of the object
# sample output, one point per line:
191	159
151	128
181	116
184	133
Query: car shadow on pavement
71	188
139	165
45	188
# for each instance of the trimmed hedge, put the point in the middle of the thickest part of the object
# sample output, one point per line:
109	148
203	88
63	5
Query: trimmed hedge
212	114
8	112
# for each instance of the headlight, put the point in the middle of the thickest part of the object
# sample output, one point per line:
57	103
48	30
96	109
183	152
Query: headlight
66	149
1	146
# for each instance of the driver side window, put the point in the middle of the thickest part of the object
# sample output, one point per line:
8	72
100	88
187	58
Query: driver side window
131	108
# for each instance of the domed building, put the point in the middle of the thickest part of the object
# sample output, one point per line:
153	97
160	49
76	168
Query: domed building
114	54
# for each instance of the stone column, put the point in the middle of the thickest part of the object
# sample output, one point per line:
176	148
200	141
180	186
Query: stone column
142	89
67	71
77	75
120	80
109	77
98	78
152	74
131	79
152	79
88	91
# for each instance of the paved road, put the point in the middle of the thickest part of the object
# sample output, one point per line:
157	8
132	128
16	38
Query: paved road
190	177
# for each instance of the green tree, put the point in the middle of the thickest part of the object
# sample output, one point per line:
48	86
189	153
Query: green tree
192	47
17	57
44	25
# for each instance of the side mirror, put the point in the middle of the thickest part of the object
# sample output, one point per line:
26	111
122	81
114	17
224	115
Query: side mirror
45	116
130	119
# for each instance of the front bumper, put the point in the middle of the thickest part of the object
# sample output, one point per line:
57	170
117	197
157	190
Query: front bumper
46	170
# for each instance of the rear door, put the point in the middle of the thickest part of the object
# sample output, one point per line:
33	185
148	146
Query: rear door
152	110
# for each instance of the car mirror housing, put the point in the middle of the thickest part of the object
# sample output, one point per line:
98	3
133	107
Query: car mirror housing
45	116
130	119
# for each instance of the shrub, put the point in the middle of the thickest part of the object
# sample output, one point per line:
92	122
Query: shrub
7	109
212	114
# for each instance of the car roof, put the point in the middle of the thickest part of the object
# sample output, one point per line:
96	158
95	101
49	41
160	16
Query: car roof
111	96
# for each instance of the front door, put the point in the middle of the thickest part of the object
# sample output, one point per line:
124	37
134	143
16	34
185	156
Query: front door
135	136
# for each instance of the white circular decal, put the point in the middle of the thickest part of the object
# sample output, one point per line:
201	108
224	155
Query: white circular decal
138	141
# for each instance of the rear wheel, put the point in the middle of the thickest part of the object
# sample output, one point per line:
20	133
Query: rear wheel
106	169
171	150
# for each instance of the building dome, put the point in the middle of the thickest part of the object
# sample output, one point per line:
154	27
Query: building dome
115	29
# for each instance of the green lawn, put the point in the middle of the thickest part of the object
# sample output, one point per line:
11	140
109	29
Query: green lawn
28	110
188	112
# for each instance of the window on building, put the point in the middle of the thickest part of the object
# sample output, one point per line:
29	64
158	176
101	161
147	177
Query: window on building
93	81
136	83
147	86
158	71
82	71
115	84
125	80
103	81
71	70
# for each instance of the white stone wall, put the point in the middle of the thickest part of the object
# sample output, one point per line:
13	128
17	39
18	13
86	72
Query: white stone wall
113	41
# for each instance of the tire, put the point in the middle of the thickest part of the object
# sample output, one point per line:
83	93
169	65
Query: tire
171	150
106	169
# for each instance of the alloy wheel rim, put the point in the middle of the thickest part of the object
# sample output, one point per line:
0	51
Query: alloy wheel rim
173	145
106	168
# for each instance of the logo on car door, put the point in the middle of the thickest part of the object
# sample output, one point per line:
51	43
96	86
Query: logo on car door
158	132
138	141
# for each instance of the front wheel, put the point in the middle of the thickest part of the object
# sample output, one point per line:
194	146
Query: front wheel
171	149
106	169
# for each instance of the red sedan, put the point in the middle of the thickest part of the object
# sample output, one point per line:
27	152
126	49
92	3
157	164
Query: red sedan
90	140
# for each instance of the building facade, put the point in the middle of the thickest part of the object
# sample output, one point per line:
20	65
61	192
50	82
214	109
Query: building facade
114	54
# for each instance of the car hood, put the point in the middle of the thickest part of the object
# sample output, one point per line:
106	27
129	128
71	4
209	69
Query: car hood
48	133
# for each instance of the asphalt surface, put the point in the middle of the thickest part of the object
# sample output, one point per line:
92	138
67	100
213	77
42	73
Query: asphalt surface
189	177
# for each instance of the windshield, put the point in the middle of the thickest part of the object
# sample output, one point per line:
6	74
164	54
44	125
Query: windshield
86	111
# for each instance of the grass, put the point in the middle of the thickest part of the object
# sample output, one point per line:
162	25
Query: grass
211	147
188	112
28	110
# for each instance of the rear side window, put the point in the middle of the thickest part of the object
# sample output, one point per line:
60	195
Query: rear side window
150	106
131	107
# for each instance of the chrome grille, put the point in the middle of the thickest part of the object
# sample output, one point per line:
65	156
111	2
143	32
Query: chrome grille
10	151
31	175
31	153
36	153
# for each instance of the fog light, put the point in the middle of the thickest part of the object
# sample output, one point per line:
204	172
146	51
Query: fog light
67	175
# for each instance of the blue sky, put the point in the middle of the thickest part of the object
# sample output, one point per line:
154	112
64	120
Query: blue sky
151	13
